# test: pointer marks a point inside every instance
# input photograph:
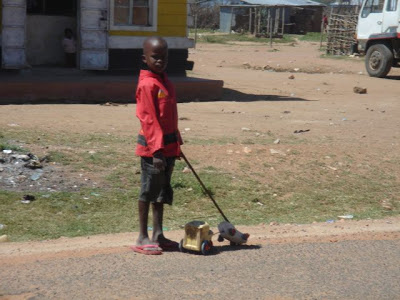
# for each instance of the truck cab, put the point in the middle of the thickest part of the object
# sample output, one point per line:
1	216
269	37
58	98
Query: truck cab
378	35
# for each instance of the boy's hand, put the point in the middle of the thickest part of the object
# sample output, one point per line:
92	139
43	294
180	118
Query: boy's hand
159	161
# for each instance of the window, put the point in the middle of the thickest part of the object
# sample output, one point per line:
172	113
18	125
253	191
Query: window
372	6
391	5
128	14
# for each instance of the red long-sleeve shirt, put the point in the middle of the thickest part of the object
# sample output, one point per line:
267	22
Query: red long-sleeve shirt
157	112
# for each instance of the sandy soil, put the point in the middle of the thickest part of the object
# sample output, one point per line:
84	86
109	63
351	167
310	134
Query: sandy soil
318	98
263	234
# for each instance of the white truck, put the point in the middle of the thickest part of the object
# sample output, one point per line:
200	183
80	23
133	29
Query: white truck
378	35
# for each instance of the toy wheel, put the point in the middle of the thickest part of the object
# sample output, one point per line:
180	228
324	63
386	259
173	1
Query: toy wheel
234	244
181	247
206	247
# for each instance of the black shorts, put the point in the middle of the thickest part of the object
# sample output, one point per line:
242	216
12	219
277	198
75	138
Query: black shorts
156	184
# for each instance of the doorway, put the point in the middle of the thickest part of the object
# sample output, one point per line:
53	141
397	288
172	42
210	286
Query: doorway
46	21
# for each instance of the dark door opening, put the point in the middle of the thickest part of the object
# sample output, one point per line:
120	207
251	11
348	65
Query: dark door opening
52	7
47	21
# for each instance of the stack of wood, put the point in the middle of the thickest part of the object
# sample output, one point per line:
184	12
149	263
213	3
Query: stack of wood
341	32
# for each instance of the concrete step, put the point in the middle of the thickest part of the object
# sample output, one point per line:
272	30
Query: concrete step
73	86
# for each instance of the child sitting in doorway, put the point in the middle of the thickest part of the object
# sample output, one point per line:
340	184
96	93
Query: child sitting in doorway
69	46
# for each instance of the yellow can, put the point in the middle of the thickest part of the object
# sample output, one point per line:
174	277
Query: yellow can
197	237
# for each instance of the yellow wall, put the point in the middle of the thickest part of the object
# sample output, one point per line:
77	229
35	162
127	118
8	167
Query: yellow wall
171	21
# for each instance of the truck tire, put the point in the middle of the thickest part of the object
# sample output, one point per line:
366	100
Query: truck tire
379	60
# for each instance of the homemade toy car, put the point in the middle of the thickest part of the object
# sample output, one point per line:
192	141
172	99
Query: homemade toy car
197	238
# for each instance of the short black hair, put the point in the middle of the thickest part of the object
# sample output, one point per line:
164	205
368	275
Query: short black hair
66	30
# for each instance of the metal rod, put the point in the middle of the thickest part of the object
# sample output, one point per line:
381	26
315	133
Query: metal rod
204	187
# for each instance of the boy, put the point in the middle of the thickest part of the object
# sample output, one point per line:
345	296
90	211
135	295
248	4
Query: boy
158	144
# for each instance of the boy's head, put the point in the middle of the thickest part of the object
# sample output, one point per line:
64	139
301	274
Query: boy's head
155	54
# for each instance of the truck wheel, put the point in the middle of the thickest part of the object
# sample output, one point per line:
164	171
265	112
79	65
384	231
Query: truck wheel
379	60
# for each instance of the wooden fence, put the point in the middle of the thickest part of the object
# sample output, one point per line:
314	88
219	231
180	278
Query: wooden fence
341	31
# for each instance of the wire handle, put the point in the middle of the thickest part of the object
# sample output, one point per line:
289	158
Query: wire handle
204	187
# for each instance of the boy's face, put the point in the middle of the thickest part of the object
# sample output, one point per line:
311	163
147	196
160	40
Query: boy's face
155	55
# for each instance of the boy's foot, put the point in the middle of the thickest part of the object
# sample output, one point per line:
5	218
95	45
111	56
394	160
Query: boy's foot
145	241
146	246
147	249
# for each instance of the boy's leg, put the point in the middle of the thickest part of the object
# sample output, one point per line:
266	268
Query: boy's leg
158	212
143	238
158	208
158	235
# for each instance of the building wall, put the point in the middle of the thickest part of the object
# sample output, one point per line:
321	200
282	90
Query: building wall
126	45
298	21
171	21
44	36
225	19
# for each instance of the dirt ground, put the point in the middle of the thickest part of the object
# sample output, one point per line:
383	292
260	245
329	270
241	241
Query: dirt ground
280	92
269	93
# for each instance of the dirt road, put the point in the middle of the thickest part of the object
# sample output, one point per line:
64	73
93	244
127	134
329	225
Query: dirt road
298	90
347	260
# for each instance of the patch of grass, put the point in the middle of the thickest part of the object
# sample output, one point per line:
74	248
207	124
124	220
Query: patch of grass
243	200
214	39
201	30
8	143
312	37
231	38
245	139
125	176
251	193
343	57
213	141
67	214
59	157
8	146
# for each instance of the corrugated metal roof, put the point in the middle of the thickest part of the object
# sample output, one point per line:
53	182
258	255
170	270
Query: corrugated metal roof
347	2
283	2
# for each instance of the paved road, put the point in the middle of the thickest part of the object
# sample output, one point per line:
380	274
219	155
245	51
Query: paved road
361	269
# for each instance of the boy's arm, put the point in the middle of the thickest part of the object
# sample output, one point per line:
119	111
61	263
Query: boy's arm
148	116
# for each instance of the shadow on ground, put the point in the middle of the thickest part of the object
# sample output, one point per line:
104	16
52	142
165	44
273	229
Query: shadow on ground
393	77
228	248
234	95
219	249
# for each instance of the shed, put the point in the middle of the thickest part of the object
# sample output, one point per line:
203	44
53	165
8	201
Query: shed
286	16
109	33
